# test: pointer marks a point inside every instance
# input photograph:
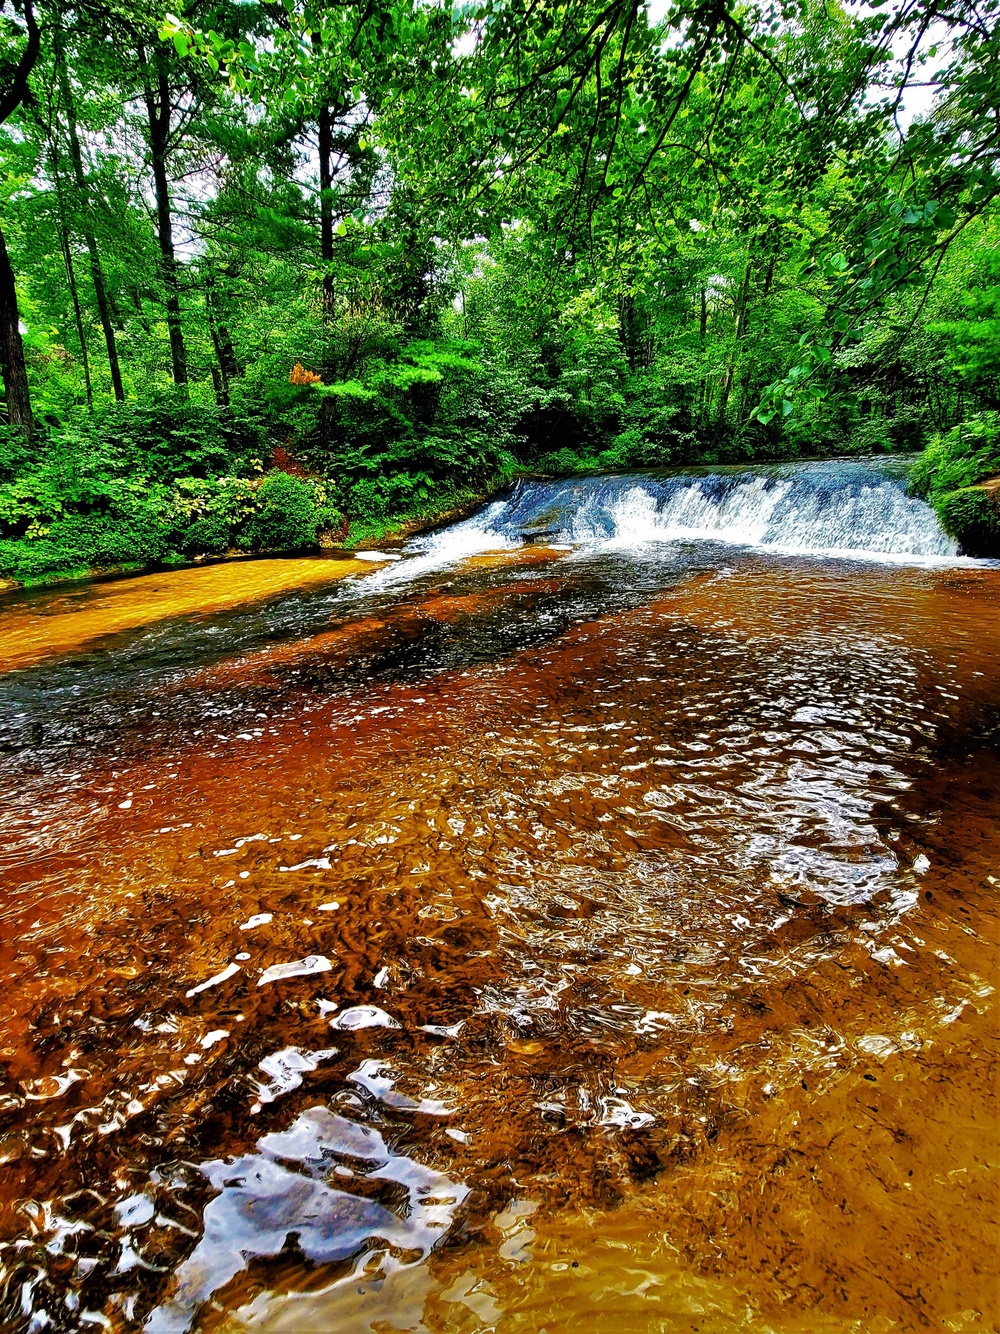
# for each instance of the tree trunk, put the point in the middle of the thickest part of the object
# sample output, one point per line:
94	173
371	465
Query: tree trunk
739	333
137	306
628	325
158	112
701	408
220	375
90	239
225	351
115	312
326	121
77	314
67	253
225	354
12	367
15	372
769	276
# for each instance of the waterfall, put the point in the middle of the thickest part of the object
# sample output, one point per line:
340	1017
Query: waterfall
856	509
850	508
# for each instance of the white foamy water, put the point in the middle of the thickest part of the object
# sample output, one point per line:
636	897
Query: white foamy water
688	516
789	515
448	546
854	509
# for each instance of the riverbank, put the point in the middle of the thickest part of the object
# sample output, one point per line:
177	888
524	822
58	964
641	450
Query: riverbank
448	508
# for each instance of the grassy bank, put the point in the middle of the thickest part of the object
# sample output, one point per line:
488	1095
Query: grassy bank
450	506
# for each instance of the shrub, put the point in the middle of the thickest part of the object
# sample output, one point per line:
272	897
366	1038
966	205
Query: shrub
100	522
163	437
286	517
176	438
967	454
207	536
564	460
207	513
129	523
15	453
948	474
971	515
353	418
634	448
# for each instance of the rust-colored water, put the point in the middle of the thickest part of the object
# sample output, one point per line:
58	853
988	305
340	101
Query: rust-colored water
572	945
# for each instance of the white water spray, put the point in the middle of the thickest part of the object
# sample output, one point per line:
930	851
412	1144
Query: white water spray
878	521
857	509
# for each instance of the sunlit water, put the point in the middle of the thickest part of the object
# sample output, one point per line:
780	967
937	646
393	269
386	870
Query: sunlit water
585	921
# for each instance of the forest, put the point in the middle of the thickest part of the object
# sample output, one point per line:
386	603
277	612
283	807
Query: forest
286	273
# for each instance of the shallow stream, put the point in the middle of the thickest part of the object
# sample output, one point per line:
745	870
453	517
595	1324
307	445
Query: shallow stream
585	920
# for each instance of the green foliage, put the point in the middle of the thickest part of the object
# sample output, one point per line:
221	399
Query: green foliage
174	437
16	453
950	473
967	454
566	460
123	522
208	514
635	245
286	515
972	516
410	427
110	491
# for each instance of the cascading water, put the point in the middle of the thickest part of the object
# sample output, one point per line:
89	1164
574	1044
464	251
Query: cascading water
859	509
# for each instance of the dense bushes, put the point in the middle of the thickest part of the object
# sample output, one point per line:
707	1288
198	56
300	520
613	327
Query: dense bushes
120	524
168	479
168	436
967	454
972	515
950	473
146	522
211	512
286	515
158	481
425	423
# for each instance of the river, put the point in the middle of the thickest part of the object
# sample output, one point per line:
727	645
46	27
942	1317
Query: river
585	919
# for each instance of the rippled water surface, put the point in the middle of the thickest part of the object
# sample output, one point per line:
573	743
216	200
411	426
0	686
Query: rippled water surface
598	935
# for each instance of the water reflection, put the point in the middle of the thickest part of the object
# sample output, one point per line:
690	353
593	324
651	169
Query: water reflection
369	962
281	1197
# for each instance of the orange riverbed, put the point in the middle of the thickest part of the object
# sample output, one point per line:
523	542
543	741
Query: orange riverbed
382	973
